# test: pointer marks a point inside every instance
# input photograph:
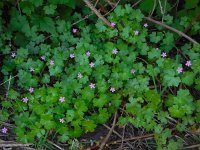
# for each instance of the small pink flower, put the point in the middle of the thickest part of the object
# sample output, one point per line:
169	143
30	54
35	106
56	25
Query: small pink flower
80	75
92	86
112	89
74	30
113	24
62	120
32	69
25	99
132	71
62	99
71	55
13	55
146	25
115	51
136	32
179	70
188	63
4	130
88	54
91	65
31	90
164	54
42	57
51	62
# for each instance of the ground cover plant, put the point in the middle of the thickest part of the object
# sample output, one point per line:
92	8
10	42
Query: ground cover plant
62	79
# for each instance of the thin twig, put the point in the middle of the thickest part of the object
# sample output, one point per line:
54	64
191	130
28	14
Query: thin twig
118	135
172	29
134	138
136	3
8	86
55	145
89	4
7	124
197	17
14	145
8	80
84	18
110	3
112	8
96	3
192	146
109	133
188	28
87	16
122	137
28	148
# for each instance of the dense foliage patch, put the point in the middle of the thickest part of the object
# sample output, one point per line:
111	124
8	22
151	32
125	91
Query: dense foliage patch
64	80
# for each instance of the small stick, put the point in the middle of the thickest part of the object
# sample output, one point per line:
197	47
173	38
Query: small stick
84	18
55	145
136	3
14	145
8	86
122	137
192	146
89	4
112	8
172	29
8	80
109	133
118	135
96	3
135	138
197	17
110	3
190	25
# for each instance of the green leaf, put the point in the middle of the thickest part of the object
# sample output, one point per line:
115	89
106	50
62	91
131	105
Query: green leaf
6	104
12	94
180	105
22	52
145	3
89	125
168	19
170	79
46	79
197	83
27	7
100	26
188	78
155	37
191	4
101	101
37	3
50	9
